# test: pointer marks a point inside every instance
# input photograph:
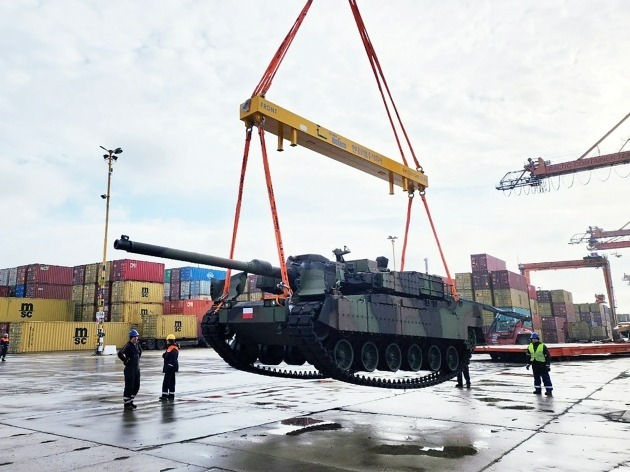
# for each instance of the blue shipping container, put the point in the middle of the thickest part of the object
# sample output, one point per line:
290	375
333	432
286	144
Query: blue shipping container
200	273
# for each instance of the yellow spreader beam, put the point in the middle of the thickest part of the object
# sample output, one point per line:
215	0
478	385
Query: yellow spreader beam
305	133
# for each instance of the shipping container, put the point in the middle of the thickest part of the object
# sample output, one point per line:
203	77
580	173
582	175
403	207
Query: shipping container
21	275
481	281
77	294
511	297
543	296
200	273
5	291
133	312
4	277
134	291
484	296
62	292
486	262
78	275
466	294
13	277
140	271
49	274
561	296
155	328
502	279
553	330
463	281
47	336
19	291
36	309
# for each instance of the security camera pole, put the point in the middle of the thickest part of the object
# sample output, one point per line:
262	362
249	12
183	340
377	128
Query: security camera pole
110	157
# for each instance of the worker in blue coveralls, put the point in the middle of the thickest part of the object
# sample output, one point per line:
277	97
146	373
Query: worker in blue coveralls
539	359
130	355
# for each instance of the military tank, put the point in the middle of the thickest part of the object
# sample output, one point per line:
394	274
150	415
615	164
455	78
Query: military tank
352	320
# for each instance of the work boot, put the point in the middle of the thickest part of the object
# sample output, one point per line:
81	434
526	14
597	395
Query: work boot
163	398
133	405
128	406
467	385
171	397
459	386
537	391
549	393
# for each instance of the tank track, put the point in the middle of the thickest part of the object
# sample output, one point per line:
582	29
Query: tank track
301	326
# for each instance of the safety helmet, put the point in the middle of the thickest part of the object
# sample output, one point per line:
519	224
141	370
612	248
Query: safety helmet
534	336
6	335
133	333
170	337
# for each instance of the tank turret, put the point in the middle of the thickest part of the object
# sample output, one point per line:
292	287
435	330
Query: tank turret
344	317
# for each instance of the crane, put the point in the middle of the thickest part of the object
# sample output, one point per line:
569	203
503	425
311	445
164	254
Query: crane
535	171
594	261
601	240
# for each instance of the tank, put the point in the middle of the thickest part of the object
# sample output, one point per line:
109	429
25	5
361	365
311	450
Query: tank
355	321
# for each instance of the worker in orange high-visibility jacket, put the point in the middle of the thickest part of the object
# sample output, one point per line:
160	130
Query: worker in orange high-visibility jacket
539	359
171	366
4	346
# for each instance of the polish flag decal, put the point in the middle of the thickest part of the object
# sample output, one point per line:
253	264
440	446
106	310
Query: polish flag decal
248	313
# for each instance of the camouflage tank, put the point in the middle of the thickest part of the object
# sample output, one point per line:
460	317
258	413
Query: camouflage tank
347	318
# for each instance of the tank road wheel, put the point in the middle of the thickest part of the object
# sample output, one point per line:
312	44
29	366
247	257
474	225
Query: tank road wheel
343	353
434	358
293	356
271	354
369	357
393	357
414	358
246	353
150	344
160	345
452	358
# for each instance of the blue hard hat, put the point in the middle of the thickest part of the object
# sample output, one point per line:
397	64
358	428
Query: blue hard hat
534	336
133	333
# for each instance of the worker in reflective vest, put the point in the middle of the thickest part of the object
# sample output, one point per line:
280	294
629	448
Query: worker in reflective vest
539	359
171	366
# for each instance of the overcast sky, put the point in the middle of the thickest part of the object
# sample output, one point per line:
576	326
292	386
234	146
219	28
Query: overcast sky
481	86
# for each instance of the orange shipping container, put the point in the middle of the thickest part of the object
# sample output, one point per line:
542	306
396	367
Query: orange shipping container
36	309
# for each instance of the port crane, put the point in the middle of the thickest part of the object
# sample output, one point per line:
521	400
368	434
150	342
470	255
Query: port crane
593	261
536	171
600	240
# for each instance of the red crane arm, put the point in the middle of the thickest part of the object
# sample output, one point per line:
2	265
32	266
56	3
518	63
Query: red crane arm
610	245
541	169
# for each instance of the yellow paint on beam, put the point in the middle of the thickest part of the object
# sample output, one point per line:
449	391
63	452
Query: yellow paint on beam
312	136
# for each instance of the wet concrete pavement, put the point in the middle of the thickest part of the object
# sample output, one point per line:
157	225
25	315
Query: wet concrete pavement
63	411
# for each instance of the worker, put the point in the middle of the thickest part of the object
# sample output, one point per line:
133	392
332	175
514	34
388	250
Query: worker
539	359
4	346
171	365
130	355
461	375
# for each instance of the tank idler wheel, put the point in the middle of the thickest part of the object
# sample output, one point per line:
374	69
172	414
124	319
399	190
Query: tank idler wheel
393	357
293	356
150	344
321	330
343	353
247	353
369	357
452	358
434	358
414	358
271	354
160	344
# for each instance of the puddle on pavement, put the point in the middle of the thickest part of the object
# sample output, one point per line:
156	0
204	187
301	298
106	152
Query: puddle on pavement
445	452
622	416
304	424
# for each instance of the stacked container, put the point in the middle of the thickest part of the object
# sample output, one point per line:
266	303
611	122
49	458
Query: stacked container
137	289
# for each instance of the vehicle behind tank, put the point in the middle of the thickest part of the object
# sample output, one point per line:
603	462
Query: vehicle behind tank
347	319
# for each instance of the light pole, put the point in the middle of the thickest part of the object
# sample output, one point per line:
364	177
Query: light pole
393	240
110	157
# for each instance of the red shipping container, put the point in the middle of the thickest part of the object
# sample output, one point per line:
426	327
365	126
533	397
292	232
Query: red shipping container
63	292
531	290
140	271
5	290
486	262
49	274
481	281
508	279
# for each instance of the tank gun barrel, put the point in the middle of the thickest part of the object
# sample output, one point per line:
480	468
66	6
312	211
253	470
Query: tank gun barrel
255	266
